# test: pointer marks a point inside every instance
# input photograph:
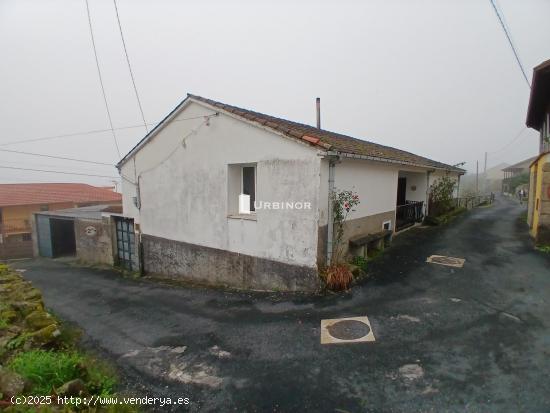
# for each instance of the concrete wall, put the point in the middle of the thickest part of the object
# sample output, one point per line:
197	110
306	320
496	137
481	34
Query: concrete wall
185	190
94	240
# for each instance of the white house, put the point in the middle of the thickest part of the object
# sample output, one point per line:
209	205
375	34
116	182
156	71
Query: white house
181	185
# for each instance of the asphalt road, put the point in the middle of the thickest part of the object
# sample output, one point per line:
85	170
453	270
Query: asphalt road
474	339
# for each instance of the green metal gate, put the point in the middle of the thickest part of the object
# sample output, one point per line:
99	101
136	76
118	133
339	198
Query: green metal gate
125	241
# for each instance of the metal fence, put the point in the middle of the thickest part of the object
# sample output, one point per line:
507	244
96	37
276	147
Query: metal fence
409	214
470	202
436	209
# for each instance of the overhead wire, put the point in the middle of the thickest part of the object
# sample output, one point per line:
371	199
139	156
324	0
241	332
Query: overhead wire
56	157
516	137
130	66
101	79
510	42
91	132
58	172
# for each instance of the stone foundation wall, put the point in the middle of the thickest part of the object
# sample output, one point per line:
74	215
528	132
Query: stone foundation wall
205	265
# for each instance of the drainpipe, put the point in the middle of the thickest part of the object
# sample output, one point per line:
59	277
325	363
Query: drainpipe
332	158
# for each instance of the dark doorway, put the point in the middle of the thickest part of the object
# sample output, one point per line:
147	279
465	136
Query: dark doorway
63	237
401	191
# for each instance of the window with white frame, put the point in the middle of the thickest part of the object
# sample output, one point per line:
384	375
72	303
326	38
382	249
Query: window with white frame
241	181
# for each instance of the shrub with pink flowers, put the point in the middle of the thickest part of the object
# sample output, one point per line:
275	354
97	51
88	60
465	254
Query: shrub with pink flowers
338	275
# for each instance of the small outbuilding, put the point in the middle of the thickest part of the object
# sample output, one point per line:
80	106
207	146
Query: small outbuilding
96	234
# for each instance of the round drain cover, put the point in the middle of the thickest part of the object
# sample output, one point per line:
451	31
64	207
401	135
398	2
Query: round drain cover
348	329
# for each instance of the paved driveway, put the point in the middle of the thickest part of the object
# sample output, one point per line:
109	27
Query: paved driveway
472	339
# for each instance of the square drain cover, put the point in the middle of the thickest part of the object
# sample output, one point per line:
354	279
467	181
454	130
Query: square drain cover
448	261
346	330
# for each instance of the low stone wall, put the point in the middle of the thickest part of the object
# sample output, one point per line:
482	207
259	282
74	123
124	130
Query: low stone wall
22	310
191	262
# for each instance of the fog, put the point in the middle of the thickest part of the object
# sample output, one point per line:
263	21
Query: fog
434	77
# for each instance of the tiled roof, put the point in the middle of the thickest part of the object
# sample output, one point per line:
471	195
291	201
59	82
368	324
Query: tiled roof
328	140
33	194
321	138
521	165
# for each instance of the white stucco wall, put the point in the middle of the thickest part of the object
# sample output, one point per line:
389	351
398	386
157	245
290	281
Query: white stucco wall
417	183
184	196
374	182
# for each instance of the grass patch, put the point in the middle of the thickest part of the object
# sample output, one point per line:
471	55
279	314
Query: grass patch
46	358
543	248
47	370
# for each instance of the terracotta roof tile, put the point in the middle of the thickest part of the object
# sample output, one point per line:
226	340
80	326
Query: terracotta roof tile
33	194
329	140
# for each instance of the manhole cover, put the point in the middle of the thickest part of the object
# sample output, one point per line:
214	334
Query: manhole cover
348	329
448	261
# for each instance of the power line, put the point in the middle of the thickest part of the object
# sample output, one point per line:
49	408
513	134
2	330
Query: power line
101	78
512	141
91	132
56	157
130	67
510	42
58	172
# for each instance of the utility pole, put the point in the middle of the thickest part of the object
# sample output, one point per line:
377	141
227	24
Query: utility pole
477	177
485	174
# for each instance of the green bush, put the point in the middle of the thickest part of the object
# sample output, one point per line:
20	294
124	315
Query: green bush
360	262
47	370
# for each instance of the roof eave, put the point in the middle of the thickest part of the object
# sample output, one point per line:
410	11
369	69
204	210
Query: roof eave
449	168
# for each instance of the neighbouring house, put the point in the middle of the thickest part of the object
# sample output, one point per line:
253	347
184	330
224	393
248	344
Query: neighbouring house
182	183
515	175
19	201
538	117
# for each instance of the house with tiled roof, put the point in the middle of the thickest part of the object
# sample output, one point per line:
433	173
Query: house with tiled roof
19	201
538	118
225	195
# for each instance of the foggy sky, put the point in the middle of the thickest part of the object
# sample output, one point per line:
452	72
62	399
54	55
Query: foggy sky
434	77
